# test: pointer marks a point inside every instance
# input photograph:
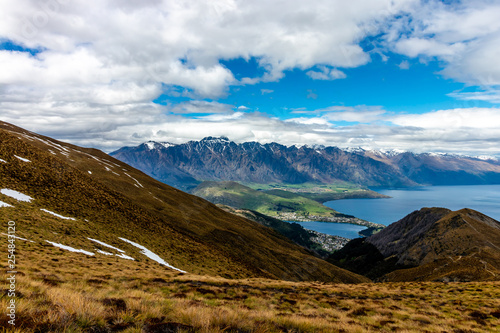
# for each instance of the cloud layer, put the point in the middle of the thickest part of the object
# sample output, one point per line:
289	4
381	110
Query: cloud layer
95	67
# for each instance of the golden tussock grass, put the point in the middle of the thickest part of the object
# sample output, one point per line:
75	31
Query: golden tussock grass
152	301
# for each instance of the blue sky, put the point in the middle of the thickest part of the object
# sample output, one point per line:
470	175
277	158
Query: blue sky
378	74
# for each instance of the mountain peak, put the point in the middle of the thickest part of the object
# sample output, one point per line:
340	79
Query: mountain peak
156	145
221	139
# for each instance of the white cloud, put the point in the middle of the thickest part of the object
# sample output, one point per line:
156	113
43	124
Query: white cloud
465	35
356	114
473	118
101	63
490	95
326	73
404	65
202	107
471	131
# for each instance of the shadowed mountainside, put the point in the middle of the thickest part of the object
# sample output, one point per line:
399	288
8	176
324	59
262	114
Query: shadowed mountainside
427	245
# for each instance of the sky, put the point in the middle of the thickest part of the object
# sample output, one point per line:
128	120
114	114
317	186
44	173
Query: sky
417	75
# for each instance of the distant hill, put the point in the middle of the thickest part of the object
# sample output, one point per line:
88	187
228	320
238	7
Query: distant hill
277	203
82	198
219	159
431	244
274	203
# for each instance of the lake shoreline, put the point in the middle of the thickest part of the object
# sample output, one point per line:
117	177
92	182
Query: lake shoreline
483	198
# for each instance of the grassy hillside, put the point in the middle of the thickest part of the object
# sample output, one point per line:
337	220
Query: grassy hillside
148	299
109	200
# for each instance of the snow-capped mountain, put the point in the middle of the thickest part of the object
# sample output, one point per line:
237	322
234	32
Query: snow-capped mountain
158	145
212	158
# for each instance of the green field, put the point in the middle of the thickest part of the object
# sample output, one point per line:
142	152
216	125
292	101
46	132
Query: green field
274	202
319	192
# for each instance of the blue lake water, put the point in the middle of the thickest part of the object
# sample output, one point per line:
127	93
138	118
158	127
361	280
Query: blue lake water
338	229
483	198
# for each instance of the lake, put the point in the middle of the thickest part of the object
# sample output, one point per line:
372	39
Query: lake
483	198
337	229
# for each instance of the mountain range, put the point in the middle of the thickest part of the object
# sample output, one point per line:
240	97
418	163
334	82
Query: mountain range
185	165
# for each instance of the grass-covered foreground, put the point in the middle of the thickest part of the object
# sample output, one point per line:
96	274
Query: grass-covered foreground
110	297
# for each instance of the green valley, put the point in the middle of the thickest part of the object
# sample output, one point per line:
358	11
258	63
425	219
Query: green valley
290	203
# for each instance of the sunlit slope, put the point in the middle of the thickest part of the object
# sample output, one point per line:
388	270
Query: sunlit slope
108	200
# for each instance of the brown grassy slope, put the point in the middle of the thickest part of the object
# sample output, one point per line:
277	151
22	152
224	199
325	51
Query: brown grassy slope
110	199
463	245
59	291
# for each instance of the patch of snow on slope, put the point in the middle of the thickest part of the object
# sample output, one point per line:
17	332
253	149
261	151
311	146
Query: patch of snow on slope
69	248
16	195
167	144
151	255
124	256
104	252
121	255
48	143
17	237
135	180
22	158
3	161
106	245
57	215
3	204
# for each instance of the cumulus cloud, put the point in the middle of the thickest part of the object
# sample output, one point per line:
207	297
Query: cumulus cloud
109	60
473	118
326	73
356	114
96	66
465	35
491	95
197	106
454	131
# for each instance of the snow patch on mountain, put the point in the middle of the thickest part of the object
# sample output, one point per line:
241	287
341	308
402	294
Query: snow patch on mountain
22	159
3	204
124	256
212	139
69	248
104	252
3	161
152	145
137	184
57	215
17	237
16	195
151	255
106	245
